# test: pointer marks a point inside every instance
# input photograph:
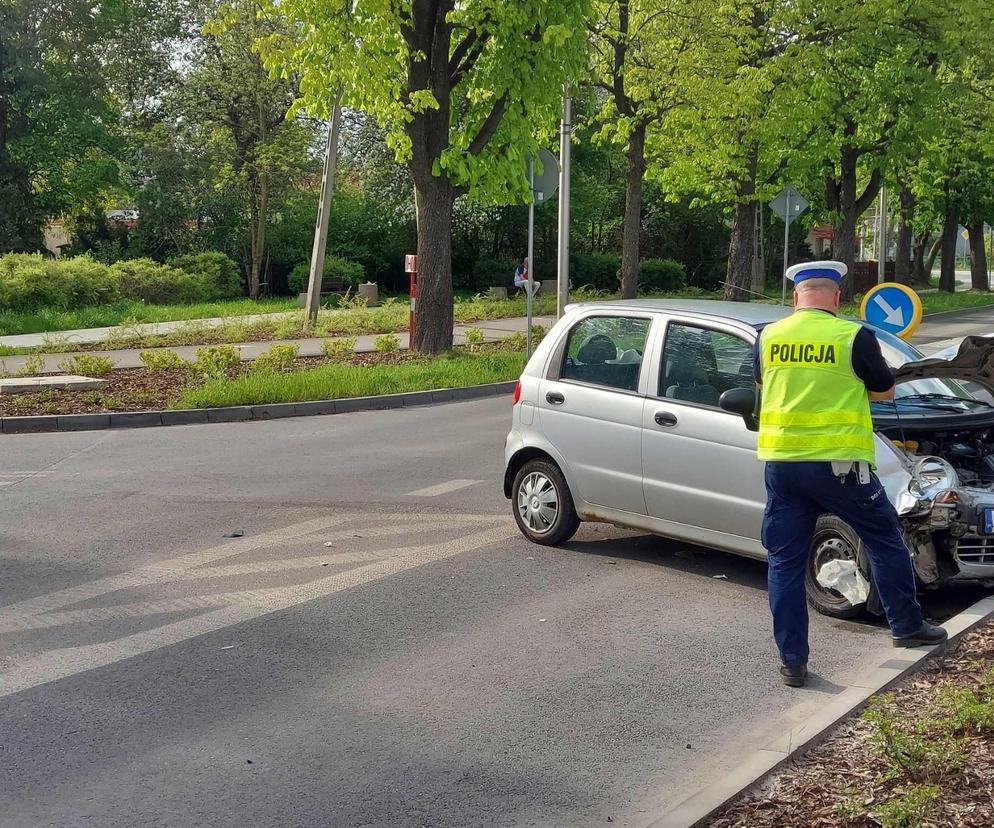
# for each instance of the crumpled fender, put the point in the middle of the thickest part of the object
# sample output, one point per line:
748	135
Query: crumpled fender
974	362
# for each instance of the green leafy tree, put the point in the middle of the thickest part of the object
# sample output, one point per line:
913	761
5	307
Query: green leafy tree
646	54
463	92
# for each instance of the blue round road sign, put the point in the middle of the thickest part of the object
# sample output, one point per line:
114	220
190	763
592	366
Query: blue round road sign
894	308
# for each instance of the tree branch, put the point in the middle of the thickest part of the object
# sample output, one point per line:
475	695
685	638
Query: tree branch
489	126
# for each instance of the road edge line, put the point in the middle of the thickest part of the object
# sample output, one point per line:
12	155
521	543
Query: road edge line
758	766
47	423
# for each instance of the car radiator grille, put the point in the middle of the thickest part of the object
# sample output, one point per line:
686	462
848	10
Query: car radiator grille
973	549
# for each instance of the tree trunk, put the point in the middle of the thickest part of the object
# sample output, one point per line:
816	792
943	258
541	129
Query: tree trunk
434	198
919	273
950	230
849	204
260	198
738	278
633	214
902	267
978	257
844	250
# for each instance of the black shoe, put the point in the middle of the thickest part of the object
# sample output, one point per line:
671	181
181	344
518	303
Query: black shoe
928	635
794	676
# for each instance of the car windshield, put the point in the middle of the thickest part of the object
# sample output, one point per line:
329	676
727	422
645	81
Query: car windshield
933	395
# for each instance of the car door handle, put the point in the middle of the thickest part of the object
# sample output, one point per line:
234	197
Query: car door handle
665	419
555	398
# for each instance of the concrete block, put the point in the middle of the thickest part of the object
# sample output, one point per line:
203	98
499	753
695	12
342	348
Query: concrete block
497	293
55	382
136	419
234	414
442	396
189	416
274	411
353	404
418	398
83	422
550	287
24	425
502	388
370	291
386	401
472	392
315	408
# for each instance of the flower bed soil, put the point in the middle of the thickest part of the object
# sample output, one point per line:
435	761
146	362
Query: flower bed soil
849	781
136	389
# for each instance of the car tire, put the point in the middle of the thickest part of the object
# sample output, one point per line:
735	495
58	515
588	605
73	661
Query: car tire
542	504
833	538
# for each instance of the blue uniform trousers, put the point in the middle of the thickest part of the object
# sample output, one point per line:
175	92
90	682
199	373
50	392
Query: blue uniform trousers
798	493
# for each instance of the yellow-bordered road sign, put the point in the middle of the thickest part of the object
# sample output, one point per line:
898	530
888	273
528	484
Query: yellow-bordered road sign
894	308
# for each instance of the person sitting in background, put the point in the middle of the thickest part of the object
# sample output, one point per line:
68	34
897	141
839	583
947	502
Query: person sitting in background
522	278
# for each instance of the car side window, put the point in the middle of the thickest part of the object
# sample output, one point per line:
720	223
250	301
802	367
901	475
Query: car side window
606	350
701	364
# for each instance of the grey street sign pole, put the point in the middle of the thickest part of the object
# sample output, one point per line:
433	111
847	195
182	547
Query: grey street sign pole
324	212
786	251
565	149
788	204
531	266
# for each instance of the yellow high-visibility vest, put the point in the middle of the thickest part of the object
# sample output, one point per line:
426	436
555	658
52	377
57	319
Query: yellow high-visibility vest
814	407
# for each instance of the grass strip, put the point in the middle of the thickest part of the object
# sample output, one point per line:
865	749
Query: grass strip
331	382
45	320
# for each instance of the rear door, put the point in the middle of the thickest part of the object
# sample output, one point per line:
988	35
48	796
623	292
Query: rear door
590	407
699	462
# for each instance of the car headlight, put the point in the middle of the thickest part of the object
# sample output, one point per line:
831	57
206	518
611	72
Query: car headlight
932	476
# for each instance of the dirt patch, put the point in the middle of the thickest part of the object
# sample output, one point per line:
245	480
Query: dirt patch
921	757
136	389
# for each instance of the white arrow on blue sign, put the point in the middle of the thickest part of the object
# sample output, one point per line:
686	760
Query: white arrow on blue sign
893	308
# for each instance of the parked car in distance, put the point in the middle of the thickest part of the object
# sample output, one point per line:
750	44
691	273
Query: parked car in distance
617	419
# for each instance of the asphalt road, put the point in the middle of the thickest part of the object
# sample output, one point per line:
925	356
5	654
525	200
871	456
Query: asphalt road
379	647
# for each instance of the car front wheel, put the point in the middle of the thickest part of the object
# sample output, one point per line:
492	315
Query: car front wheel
543	505
833	581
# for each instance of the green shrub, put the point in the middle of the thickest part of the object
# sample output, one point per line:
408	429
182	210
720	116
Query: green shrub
159	284
33	365
475	338
656	275
30	281
217	273
87	365
387	344
278	359
155	361
334	268
215	362
515	342
338	349
597	270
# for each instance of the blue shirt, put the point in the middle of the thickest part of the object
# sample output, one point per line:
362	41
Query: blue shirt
868	362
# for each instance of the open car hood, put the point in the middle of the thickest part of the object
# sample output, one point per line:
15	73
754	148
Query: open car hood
974	362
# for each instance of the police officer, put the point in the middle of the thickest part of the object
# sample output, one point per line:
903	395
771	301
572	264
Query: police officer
817	374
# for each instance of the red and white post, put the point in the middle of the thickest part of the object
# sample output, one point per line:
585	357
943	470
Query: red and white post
411	268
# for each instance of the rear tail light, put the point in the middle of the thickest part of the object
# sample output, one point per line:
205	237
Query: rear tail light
517	393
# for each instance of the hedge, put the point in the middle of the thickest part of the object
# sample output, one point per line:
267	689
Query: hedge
335	267
661	274
29	281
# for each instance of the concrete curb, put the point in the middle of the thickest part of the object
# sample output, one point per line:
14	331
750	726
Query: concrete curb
802	733
245	413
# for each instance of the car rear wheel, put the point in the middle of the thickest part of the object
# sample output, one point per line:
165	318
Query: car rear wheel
837	544
543	505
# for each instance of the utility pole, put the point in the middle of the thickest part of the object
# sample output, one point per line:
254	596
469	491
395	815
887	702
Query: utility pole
565	149
324	212
531	265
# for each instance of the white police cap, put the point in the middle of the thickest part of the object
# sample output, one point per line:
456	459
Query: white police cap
817	270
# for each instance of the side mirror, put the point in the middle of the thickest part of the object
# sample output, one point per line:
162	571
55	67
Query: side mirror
741	401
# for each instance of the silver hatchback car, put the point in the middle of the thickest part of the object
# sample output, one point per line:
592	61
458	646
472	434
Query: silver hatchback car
617	419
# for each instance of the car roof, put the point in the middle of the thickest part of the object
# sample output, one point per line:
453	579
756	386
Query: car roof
751	313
